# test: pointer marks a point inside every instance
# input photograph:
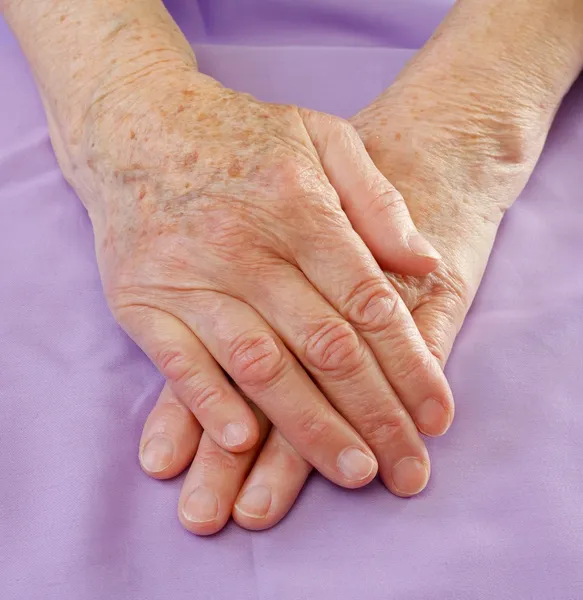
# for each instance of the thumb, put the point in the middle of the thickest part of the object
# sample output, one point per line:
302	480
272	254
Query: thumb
377	211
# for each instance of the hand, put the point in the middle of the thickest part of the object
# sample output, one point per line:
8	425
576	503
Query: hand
457	185
222	245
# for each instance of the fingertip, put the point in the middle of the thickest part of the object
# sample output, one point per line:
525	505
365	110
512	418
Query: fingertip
357	467
255	523
421	248
253	509
405	255
200	513
409	477
169	439
157	457
434	418
404	262
240	436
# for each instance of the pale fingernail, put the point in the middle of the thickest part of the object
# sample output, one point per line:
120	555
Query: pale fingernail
235	434
410	476
432	418
420	246
255	502
355	465
201	506
157	454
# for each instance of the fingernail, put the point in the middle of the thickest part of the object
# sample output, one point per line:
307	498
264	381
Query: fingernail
255	502
410	476
235	434
420	246
157	454
432	418
355	465
201	506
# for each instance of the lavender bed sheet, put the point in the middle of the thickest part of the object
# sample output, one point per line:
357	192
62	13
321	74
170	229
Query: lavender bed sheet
503	515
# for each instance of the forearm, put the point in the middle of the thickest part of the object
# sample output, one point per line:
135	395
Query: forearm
80	50
530	48
512	60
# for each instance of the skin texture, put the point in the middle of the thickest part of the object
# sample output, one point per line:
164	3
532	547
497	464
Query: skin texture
460	157
217	236
459	203
238	236
234	243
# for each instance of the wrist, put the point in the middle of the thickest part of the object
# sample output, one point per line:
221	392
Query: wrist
524	52
488	82
80	52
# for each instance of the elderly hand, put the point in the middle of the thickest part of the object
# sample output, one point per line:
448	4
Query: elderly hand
459	170
225	251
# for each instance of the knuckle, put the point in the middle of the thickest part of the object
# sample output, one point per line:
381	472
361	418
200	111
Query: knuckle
199	396
256	360
386	201
173	363
196	393
229	234
371	306
414	365
313	426
386	428
334	347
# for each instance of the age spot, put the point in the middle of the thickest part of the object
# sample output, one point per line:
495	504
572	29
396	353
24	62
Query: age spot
132	135
191	159
63	18
235	170
180	108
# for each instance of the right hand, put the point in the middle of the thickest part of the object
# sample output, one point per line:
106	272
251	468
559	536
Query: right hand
457	191
225	250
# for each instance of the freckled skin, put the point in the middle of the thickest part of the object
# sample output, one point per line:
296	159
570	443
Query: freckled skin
198	168
190	159
162	218
235	169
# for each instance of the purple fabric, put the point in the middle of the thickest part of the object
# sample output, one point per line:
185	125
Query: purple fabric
502	517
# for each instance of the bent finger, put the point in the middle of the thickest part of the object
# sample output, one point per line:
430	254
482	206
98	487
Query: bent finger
194	376
273	486
170	437
213	482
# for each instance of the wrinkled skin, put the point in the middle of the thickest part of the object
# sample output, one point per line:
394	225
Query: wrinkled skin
458	172
225	250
